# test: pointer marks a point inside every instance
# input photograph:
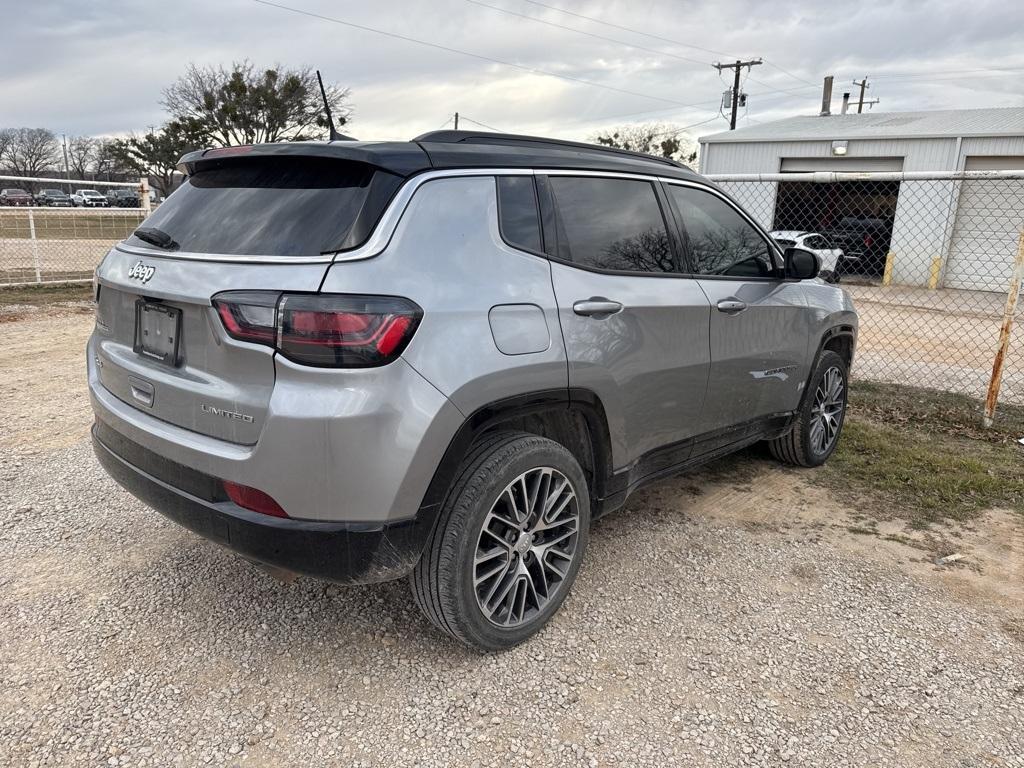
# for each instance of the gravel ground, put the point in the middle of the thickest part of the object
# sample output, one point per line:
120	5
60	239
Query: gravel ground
727	618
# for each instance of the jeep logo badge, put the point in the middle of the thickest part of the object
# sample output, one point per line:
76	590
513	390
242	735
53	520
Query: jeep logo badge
141	272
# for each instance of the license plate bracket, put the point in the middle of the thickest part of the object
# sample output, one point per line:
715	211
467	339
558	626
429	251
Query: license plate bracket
157	331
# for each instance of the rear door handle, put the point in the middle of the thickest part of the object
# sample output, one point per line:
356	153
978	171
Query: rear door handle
596	306
731	306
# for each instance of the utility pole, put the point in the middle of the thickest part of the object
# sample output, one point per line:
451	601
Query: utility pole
456	121
863	87
736	83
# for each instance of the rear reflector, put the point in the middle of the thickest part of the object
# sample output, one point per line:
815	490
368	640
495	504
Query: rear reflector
253	499
325	330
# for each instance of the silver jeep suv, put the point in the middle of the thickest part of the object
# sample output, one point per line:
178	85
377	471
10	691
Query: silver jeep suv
444	358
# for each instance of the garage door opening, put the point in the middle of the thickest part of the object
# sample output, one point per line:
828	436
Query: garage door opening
856	216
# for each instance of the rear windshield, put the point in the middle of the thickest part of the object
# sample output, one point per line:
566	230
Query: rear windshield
265	207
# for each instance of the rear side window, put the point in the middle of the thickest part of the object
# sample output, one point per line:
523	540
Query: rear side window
265	207
613	224
517	212
719	239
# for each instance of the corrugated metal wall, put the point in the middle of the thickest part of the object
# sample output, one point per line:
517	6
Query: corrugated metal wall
925	214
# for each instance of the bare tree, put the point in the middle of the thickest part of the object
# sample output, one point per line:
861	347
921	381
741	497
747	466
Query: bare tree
648	251
30	151
246	105
82	153
5	142
659	139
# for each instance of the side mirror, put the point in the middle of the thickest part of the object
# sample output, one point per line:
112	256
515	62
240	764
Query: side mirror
801	264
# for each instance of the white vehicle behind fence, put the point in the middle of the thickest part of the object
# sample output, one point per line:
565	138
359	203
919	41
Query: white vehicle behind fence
89	198
832	257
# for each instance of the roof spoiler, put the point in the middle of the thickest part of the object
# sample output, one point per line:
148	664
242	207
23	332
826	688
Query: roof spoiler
399	158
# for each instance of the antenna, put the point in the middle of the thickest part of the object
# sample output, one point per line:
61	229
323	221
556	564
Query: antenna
334	135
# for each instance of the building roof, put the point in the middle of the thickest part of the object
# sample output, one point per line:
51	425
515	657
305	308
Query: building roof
942	123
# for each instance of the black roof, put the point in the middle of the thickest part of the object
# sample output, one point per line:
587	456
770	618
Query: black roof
456	149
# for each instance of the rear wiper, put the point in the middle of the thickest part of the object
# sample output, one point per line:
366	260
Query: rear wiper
156	237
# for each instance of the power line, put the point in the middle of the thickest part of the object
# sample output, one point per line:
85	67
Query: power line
448	49
627	29
929	78
758	96
787	72
588	34
482	125
644	34
994	70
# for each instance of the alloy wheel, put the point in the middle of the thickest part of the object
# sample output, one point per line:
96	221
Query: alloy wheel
526	546
826	413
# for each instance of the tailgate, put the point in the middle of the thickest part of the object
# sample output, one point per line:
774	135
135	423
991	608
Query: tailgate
161	347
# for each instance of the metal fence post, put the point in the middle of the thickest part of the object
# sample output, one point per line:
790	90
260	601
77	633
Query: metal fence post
35	245
144	195
1004	334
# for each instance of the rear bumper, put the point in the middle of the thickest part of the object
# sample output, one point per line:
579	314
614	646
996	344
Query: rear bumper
347	553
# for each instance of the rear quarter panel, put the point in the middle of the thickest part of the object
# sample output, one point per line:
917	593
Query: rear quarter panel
447	255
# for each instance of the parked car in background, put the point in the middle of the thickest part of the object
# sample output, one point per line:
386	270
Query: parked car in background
89	198
15	197
831	256
275	365
866	238
54	198
123	198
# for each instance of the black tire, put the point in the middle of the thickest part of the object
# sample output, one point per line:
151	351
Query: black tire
802	445
443	580
828	276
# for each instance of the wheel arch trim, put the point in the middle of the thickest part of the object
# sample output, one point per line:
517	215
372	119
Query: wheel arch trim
584	402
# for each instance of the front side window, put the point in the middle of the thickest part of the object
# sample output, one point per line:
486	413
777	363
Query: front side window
613	224
720	241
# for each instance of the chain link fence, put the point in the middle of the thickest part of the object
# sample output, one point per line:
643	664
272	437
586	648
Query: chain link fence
50	238
933	262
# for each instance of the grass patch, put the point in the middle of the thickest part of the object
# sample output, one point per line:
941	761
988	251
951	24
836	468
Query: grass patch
112	224
923	457
46	294
930	411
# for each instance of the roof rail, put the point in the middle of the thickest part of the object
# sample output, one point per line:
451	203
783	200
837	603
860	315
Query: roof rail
507	139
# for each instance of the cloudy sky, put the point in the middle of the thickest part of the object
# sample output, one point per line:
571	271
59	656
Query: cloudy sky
568	67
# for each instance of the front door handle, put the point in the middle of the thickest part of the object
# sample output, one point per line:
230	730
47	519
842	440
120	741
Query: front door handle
596	306
731	306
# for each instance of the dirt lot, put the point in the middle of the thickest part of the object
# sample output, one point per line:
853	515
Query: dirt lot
737	616
944	339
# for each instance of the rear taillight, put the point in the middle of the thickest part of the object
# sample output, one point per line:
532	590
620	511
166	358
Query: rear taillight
251	498
328	330
249	315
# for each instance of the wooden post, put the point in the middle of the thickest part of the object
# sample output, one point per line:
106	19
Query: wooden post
1004	334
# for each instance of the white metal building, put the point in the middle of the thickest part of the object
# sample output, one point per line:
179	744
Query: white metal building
940	218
